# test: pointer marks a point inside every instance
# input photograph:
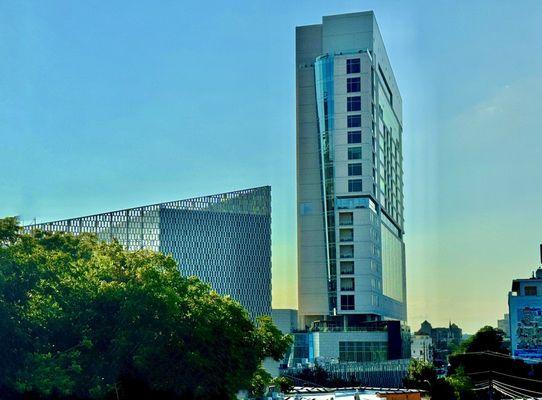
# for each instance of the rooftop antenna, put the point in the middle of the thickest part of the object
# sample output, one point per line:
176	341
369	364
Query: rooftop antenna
541	253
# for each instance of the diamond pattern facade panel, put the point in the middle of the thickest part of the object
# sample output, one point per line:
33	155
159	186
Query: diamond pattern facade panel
223	239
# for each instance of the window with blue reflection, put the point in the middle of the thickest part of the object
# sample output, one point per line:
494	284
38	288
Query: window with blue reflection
353	66
354	153
354	169
354	137
353	103
348	203
353	85
354	185
354	121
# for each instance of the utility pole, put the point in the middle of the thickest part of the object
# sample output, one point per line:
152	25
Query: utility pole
490	393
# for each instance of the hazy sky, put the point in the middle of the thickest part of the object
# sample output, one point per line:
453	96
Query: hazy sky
106	106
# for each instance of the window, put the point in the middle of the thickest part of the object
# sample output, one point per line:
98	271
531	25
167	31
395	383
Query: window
347	302
352	66
346	235
353	85
354	153
347	284
353	103
363	351
346	218
346	203
354	121
530	291
347	267
346	250
354	169
354	185
354	137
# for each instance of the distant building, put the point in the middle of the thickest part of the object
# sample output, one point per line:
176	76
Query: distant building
223	239
422	348
525	309
443	339
456	334
504	325
425	329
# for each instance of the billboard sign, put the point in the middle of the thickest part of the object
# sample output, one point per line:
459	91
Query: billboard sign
529	333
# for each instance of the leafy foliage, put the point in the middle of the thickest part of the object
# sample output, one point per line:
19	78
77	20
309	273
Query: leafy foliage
260	380
83	318
283	383
462	385
486	339
420	375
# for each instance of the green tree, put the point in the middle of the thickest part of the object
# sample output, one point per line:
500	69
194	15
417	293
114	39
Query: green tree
260	381
283	383
80	317
486	339
420	375
462	385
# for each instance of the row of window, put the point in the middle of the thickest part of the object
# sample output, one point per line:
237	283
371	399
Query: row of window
363	351
353	85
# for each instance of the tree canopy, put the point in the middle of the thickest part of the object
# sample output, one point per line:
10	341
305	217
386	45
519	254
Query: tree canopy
486	339
88	319
423	375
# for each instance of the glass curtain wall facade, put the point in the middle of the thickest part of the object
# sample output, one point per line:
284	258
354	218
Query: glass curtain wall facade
351	262
223	239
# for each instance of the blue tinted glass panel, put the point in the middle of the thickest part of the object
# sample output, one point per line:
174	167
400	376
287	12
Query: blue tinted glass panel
354	137
353	66
353	103
354	185
354	153
354	121
353	85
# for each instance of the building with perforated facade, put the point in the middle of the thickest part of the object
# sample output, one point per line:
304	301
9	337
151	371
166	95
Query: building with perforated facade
223	239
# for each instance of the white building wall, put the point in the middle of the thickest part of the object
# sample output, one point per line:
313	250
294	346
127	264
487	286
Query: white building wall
312	268
422	348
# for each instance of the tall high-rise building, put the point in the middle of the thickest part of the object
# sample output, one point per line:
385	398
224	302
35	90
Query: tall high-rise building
223	239
351	254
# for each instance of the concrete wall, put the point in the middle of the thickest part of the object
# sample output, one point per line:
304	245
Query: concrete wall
312	267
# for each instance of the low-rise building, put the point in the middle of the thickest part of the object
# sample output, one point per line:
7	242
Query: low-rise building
443	340
368	342
422	347
525	309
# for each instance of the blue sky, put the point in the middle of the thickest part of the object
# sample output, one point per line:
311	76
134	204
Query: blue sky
106	106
